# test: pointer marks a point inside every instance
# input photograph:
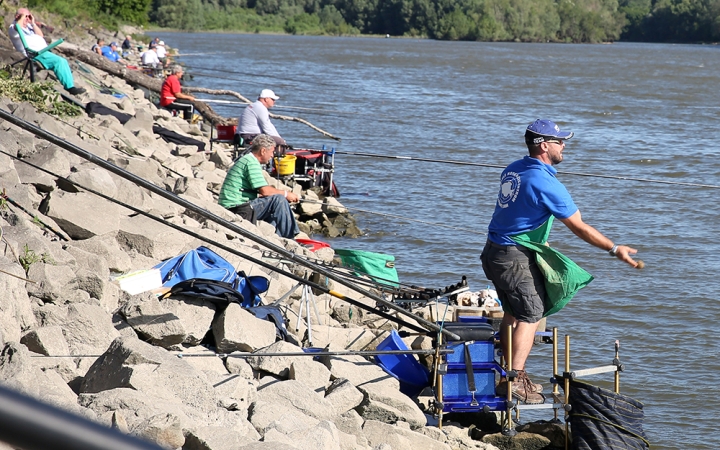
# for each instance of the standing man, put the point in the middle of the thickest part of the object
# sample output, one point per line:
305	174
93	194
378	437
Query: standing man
256	119
245	185
171	96
33	36
530	197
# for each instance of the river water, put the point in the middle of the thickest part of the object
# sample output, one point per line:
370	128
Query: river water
638	110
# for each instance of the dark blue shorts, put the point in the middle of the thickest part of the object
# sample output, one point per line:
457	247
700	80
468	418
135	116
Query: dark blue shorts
517	278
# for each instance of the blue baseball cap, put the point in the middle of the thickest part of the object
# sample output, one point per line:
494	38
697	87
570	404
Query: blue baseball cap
545	130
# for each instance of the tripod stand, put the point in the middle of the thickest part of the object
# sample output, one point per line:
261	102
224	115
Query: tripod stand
305	300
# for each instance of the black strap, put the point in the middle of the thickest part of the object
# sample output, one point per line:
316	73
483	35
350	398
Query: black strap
469	369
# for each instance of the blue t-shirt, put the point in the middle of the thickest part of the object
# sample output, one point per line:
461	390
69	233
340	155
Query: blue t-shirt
110	54
529	195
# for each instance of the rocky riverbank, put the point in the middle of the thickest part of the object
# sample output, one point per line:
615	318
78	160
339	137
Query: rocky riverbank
71	337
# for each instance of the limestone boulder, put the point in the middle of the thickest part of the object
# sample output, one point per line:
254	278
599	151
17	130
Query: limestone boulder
92	177
76	214
294	394
215	438
152	322
399	438
164	429
238	330
151	238
195	316
131	363
343	396
16	315
48	341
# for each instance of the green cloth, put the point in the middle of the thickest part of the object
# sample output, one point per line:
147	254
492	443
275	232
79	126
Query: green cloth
242	182
563	277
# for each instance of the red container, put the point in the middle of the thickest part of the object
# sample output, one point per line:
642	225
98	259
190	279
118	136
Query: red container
312	245
226	132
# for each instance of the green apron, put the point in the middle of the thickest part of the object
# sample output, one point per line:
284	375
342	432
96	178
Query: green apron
563	278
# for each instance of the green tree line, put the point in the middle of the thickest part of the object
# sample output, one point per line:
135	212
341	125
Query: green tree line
472	20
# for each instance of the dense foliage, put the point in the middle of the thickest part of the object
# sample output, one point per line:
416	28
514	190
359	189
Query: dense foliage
485	20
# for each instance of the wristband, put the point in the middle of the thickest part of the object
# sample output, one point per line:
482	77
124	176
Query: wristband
613	250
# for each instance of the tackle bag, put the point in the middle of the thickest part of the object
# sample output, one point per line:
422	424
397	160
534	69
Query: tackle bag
198	263
245	291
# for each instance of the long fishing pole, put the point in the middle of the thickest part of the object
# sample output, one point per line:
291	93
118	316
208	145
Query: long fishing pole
299	108
139	181
202	238
499	166
401	218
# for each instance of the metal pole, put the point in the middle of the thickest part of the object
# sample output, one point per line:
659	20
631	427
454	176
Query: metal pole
32	425
556	389
509	429
617	371
567	391
213	217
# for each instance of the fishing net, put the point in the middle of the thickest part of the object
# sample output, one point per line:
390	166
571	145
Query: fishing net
603	420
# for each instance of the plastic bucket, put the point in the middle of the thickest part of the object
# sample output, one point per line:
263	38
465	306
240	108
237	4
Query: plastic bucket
286	165
413	376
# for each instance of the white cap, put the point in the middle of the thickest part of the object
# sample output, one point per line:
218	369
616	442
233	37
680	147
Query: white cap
161	43
268	93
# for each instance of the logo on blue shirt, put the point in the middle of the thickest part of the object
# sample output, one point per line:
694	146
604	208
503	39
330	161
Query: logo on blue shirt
509	189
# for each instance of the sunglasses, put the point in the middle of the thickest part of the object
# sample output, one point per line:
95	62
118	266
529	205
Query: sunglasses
556	141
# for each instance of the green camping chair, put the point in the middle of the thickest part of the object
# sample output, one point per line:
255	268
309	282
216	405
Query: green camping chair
32	55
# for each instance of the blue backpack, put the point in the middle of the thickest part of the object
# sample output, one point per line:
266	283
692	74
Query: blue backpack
203	273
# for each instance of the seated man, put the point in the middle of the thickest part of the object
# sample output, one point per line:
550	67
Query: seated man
171	96
97	47
110	52
33	35
127	46
245	186
150	58
256	119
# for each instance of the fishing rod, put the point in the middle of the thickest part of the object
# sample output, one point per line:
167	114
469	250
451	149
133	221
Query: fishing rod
499	166
402	218
261	263
139	181
265	75
299	108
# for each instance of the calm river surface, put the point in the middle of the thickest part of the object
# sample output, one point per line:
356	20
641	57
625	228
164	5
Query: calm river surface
637	110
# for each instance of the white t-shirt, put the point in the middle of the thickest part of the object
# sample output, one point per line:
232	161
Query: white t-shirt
161	52
33	41
149	58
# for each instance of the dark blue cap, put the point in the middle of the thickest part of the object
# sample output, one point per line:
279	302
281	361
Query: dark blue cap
544	130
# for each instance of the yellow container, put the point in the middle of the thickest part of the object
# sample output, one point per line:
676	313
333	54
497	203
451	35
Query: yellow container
286	165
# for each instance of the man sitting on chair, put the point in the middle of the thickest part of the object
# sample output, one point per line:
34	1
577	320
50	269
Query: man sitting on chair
245	186
256	119
33	35
170	96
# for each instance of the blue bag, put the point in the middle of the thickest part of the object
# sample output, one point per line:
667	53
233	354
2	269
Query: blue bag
199	263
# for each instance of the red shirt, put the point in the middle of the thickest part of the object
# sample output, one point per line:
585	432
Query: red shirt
170	87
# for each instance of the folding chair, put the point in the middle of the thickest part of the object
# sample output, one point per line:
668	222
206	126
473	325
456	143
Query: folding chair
32	54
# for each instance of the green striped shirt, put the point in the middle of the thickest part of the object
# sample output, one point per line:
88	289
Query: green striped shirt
242	182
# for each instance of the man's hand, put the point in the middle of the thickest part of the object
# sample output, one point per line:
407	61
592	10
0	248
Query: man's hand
623	253
293	197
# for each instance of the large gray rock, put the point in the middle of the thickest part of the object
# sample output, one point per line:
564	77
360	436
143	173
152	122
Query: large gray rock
399	438
323	436
52	283
292	393
93	177
277	365
239	330
135	364
149	169
164	429
383	399
195	316
19	372
48	341
151	238
268	415
152	322
50	158
77	214
107	248
521	441
16	314
343	396
215	438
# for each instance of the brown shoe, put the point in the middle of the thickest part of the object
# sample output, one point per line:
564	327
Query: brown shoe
535	387
522	389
